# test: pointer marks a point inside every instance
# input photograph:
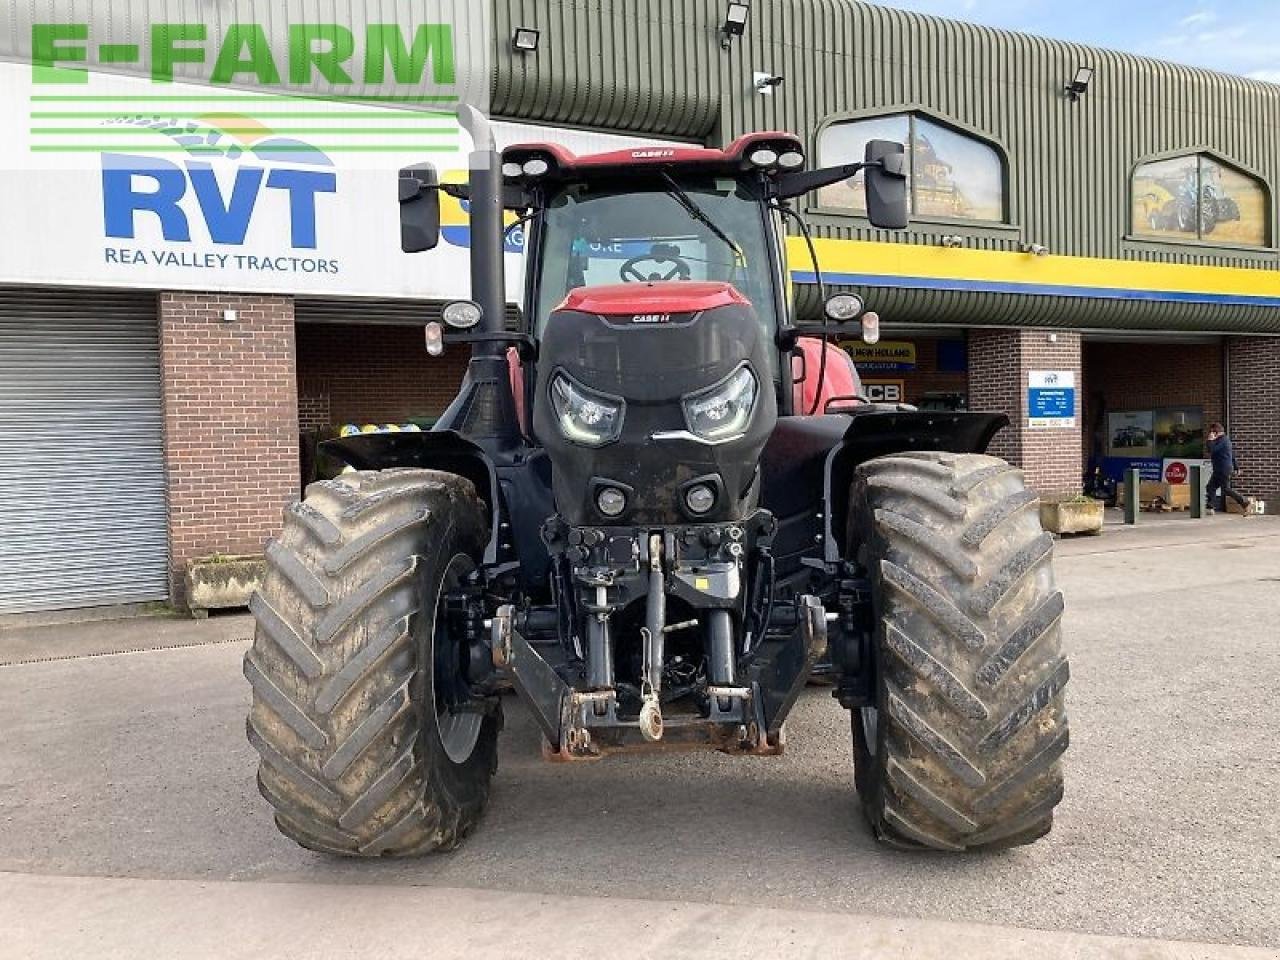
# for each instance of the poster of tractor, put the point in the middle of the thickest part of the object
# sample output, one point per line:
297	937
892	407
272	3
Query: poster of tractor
952	174
1196	197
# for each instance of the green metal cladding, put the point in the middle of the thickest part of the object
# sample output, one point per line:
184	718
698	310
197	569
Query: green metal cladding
657	67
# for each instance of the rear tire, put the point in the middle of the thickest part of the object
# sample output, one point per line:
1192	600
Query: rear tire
962	748
357	758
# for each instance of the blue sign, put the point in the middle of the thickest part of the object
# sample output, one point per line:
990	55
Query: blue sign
1115	467
1051	399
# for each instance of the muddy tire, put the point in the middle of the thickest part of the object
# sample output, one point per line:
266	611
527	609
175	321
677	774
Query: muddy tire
963	748
348	654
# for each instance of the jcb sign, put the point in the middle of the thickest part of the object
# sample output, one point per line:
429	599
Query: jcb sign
885	391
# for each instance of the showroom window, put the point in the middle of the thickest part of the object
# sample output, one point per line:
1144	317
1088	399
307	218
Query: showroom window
1197	197
952	175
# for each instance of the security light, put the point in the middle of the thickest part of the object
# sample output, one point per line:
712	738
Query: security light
1080	83
525	40
735	21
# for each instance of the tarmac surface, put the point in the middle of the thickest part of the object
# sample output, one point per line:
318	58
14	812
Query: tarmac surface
133	766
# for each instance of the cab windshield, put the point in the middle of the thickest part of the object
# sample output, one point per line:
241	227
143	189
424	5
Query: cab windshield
692	229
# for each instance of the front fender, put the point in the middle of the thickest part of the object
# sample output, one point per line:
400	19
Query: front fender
879	432
444	450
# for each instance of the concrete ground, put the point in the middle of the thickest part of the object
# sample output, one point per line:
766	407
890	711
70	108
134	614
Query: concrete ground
130	824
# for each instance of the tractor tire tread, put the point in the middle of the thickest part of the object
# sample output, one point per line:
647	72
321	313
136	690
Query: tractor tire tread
342	716
971	721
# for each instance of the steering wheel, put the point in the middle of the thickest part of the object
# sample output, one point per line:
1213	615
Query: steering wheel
660	254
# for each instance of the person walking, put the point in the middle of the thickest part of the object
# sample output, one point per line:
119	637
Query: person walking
1224	467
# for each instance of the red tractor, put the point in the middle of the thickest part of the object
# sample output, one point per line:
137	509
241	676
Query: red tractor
654	510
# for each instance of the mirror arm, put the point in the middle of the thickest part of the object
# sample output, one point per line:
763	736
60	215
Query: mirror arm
793	185
525	344
513	197
787	336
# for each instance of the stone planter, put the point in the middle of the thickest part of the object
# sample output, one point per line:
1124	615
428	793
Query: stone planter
222	583
1072	516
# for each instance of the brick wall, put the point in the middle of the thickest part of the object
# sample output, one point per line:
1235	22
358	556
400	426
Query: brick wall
1255	413
999	364
372	374
231	423
1146	376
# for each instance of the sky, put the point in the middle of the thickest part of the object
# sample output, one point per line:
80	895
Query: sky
1234	36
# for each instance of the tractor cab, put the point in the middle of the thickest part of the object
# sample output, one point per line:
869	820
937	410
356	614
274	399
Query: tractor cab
662	234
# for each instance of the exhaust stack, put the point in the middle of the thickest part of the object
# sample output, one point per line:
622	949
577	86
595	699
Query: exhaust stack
485	407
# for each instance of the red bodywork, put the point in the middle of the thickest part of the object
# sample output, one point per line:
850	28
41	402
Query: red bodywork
678	296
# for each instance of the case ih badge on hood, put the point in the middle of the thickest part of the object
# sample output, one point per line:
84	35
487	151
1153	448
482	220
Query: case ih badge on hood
651	512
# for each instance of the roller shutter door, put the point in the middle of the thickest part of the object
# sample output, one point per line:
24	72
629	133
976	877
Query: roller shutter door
82	485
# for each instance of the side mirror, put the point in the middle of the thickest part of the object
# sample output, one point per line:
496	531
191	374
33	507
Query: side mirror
886	175
419	208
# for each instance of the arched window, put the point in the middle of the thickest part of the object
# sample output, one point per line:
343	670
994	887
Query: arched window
952	174
1198	197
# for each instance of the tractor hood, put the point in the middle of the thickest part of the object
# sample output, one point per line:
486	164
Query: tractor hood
653	389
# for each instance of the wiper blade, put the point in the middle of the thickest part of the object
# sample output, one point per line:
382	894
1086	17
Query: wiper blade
678	194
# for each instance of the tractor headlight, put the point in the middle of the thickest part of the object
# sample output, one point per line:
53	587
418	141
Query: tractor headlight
587	418
725	409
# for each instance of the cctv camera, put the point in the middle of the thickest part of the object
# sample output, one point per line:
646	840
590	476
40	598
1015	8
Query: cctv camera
766	83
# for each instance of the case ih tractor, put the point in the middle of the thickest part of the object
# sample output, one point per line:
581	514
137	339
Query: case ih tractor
654	511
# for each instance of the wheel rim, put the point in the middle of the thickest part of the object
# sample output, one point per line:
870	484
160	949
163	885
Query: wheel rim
870	723
459	730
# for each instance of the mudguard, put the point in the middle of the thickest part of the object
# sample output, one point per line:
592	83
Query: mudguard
879	430
443	450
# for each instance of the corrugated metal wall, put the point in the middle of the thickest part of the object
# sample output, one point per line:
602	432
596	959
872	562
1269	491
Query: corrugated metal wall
651	67
609	63
1070	162
657	66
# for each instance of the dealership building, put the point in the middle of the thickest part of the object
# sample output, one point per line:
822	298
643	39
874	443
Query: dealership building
1093	250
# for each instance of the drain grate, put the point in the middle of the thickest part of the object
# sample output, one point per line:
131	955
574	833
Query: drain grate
123	652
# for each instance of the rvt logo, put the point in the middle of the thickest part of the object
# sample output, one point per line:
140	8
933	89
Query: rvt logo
136	187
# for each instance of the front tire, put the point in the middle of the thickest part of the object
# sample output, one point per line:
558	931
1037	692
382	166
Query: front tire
962	748
359	755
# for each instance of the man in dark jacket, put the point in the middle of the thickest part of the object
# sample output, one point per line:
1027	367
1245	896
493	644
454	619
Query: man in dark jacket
1224	466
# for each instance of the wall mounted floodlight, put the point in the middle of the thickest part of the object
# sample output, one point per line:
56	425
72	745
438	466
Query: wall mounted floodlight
735	22
1034	249
952	241
526	40
1079	84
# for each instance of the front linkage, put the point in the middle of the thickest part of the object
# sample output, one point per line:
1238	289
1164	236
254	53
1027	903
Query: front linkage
731	688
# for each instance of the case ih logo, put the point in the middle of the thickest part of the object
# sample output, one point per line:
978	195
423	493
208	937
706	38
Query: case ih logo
651	318
651	154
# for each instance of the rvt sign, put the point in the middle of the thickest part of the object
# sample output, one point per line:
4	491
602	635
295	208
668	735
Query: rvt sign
138	187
